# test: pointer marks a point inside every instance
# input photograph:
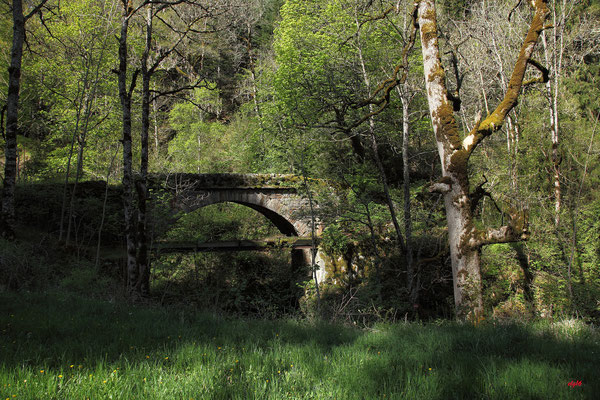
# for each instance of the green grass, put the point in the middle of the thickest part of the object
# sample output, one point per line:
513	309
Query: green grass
61	346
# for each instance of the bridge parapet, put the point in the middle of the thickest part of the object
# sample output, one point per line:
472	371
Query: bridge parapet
228	181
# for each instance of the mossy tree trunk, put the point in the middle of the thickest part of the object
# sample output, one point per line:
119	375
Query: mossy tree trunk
465	239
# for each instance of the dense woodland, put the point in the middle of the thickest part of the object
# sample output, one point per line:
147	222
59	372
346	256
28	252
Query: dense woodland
460	141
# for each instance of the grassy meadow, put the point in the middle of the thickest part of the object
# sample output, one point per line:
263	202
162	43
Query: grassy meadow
57	345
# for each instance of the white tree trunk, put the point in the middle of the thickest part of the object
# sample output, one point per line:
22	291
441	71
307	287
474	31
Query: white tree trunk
465	240
466	272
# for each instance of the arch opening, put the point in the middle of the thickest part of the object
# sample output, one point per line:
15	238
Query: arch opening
278	220
247	282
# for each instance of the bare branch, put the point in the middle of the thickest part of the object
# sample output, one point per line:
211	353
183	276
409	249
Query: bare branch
513	10
36	9
199	83
133	82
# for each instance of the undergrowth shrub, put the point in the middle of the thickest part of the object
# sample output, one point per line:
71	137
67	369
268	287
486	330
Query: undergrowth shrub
22	266
263	285
85	279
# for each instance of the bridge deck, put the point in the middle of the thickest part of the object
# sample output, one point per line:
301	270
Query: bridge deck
232	245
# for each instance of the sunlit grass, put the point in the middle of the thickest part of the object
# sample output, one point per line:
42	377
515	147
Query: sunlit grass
57	346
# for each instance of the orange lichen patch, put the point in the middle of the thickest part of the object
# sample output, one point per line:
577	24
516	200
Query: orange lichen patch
449	126
438	75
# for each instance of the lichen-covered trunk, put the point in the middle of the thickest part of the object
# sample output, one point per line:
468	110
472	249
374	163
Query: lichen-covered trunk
465	259
466	270
7	218
129	212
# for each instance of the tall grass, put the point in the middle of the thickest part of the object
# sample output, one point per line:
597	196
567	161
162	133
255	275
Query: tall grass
62	346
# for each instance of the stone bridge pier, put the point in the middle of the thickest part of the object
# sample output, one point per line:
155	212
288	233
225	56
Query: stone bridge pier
274	196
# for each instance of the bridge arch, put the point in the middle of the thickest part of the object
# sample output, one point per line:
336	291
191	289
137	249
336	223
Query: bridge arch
282	209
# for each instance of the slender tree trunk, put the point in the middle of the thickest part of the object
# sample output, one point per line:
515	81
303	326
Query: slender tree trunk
512	131
99	243
313	236
79	167
410	266
252	66
125	94
7	219
155	114
7	214
86	98
553	117
68	172
143	283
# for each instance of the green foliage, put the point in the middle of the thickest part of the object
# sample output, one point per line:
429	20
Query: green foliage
282	91
222	221
80	105
21	266
333	240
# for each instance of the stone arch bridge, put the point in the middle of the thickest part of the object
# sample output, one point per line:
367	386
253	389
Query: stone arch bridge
275	196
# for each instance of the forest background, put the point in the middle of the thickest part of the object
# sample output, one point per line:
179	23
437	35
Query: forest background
271	86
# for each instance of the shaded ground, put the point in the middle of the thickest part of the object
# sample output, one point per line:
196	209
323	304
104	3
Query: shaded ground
89	348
